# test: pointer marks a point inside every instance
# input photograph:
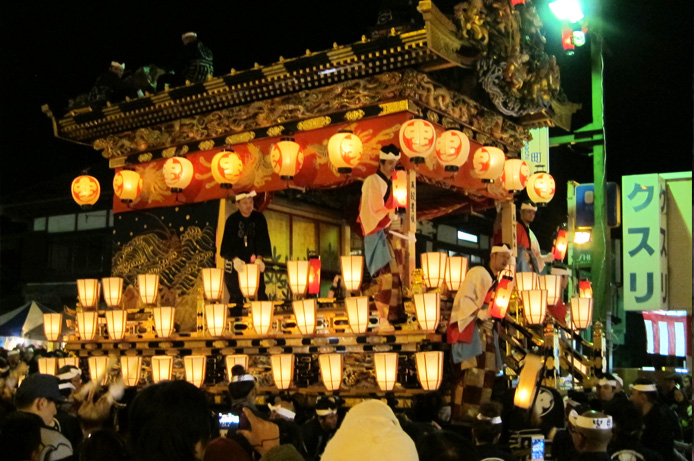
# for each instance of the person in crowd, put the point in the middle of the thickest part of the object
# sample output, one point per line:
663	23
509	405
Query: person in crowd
69	382
20	438
607	395
225	449
446	445
562	444
265	438
683	409
104	445
197	59
670	383
591	432
320	429
486	433
111	87
282	409
658	433
626	442
245	240
474	344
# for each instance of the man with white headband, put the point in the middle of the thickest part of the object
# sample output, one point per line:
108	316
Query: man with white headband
530	258
658	430
382	252
319	430
608	399
591	432
474	344
246	240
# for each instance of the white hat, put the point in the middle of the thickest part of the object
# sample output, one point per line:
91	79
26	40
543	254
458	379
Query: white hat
389	152
242	378
189	35
244	195
528	206
501	249
118	65
590	422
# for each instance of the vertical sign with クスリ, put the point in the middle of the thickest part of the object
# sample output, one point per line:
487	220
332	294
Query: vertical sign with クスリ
644	232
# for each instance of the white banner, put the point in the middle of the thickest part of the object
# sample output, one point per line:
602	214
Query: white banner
536	151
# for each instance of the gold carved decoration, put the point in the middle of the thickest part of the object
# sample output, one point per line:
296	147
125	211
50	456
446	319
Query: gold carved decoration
275	130
146	157
206	145
354	115
313	123
247	136
393	107
168	153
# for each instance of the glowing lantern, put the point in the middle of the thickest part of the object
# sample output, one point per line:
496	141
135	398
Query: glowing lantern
560	245
162	366
581	312
262	312
585	289
297	275
527	381
429	369
488	163
52	324
434	268
452	149
113	290
352	271
249	280
534	306
527	281
226	168
195	366
314	276
456	269
178	173
282	370
127	184
286	158
344	150
85	190
567	40
148	285
386	365
74	361
213	283
116	321
400	189
331	370
358	313
216	318
47	365
428	309
88	291
305	313
98	367
504	290
417	139
87	321
130	368
541	187
515	176
233	360
164	320
551	283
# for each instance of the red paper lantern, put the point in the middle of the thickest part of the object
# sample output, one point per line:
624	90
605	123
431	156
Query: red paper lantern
400	191
567	40
452	149
515	175
227	168
127	184
314	276
417	139
585	289
541	187
344	150
504	290
286	157
85	190
488	163
178	173
560	245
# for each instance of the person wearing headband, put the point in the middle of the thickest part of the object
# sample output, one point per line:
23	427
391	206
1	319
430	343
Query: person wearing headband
383	252
486	432
320	429
530	257
111	87
246	239
608	398
658	429
197	61
591	432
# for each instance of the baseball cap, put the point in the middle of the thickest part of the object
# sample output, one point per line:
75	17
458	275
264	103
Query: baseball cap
39	385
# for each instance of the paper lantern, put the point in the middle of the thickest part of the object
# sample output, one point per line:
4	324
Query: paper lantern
567	42
527	281
352	271
428	310
249	280
386	366
561	243
585	289
63	361
551	283
213	283
178	173
87	322
452	149
131	368
226	168
113	290
488	163
127	185
417	139
581	312
434	268
344	150
534	306
286	158
216	318
456	269
148	285
262	313
235	359
116	322
52	324
88	291
305	314
282	370
314	276
85	190
541	187
47	365
331	370
358	313
164	320
429	369
297	275
515	175
527	381
98	367
195	366
502	297
400	188
162	367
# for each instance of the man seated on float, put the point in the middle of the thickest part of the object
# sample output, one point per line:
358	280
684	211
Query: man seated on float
530	257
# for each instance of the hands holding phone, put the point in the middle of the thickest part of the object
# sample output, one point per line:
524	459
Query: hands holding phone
263	435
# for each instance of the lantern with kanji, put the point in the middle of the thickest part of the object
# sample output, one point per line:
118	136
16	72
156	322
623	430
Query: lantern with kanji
488	163
85	190
561	243
178	173
226	168
452	149
400	190
502	296
286	157
127	185
344	150
515	176
541	187
417	139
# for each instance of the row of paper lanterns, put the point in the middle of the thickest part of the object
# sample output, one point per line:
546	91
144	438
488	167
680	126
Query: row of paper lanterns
417	138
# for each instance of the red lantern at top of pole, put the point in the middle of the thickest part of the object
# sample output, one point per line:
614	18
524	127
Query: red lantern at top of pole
85	190
561	243
417	139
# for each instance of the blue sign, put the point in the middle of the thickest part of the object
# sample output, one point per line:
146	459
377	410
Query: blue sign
585	205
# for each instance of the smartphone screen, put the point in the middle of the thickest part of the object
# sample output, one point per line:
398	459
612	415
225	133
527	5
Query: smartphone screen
537	448
229	421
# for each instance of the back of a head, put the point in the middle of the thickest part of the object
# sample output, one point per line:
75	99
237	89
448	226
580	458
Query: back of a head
241	383
444	445
488	425
628	421
104	445
20	437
